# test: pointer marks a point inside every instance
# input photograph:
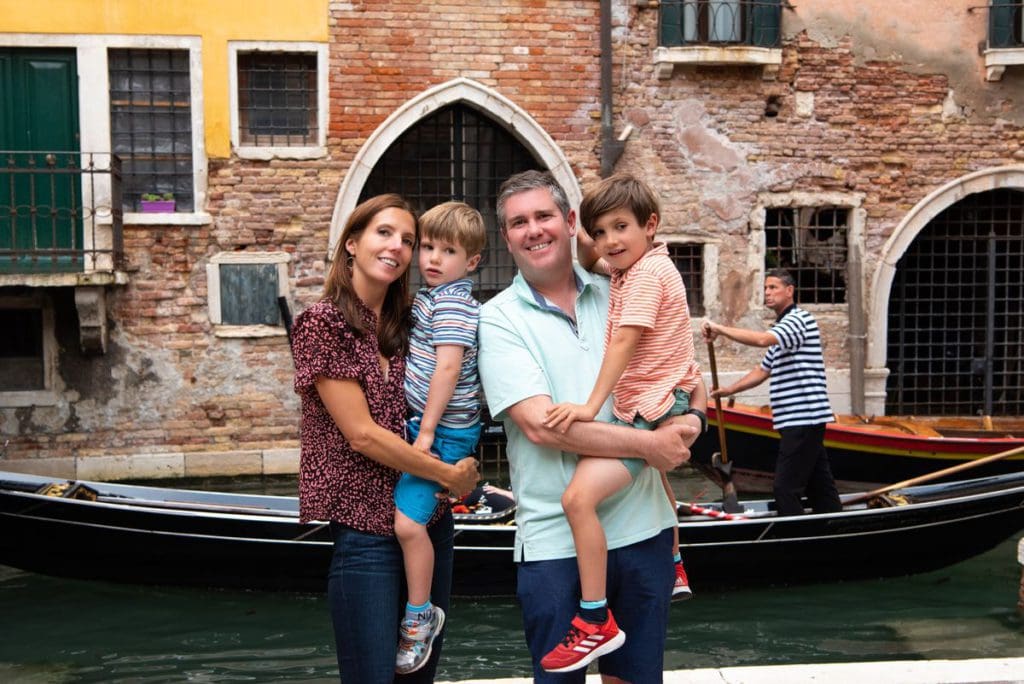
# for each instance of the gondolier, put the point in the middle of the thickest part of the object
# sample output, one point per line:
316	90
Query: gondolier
797	393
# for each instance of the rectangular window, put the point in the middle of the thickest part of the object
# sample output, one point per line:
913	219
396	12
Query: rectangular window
22	361
689	260
737	22
245	290
812	244
151	124
277	99
248	294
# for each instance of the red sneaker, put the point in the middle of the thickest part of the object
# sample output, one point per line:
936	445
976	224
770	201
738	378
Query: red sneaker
681	589
584	643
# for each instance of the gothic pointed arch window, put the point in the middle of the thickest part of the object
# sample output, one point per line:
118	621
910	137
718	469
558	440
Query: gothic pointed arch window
456	153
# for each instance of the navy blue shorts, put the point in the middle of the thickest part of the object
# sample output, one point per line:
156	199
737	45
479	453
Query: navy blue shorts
640	578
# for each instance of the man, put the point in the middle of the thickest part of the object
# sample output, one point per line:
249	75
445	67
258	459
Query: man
797	394
541	342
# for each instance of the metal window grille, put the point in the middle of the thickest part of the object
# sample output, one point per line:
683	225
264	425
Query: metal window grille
151	123
956	313
456	153
1005	23
689	260
720	22
811	243
21	350
277	99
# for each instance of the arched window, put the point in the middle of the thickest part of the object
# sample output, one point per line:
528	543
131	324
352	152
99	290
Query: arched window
956	312
456	153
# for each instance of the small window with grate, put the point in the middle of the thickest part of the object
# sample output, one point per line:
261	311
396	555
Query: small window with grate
689	260
151	124
245	289
277	99
812	244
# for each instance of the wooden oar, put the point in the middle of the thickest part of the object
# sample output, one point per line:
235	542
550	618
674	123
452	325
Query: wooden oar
720	459
921	479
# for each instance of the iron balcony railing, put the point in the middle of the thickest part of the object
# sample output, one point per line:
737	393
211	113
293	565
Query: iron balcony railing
757	23
60	212
1005	23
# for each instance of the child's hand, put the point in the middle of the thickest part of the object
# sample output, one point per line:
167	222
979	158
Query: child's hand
561	416
425	440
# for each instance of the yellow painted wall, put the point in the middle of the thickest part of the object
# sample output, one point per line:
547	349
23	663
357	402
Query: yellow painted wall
215	21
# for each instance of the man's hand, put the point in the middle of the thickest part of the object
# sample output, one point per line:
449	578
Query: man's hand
561	416
710	331
668	449
463	478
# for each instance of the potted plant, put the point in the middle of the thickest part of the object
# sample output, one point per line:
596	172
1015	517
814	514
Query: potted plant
157	202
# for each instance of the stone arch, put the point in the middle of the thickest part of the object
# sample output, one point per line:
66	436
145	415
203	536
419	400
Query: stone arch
912	224
498	107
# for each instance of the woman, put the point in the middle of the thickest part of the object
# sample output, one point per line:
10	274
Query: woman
349	368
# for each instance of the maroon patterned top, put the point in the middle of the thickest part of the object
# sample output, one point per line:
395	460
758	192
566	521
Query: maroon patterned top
335	482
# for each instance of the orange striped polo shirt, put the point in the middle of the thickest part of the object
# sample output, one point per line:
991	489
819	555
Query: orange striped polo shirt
650	294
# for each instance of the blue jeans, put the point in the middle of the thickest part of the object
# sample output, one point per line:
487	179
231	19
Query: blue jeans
640	578
366	594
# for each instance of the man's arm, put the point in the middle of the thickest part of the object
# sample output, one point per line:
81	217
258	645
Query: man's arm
663	448
752	379
442	386
752	338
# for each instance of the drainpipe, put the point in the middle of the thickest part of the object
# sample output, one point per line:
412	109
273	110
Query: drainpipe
611	148
855	295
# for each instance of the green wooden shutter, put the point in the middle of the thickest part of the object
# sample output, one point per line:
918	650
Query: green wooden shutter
248	294
1001	24
671	23
766	23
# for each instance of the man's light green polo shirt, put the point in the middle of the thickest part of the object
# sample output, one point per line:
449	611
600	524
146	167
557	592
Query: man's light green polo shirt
529	348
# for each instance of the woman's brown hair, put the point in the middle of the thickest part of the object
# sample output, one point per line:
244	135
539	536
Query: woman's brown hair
393	327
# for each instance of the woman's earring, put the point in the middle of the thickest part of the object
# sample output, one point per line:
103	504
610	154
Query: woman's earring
351	259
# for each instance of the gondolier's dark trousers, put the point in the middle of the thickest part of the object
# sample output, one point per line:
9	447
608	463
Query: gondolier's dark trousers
803	468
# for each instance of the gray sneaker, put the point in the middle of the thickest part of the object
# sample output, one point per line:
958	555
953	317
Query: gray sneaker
416	638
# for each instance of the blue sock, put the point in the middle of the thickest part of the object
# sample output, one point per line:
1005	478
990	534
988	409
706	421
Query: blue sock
678	558
419	613
594	612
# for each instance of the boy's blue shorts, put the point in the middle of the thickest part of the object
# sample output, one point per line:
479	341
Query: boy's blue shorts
414	496
681	405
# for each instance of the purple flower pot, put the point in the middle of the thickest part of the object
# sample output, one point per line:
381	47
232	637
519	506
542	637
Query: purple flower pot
157	206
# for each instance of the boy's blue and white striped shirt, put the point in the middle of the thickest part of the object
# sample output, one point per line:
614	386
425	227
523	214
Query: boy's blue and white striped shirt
797	389
446	314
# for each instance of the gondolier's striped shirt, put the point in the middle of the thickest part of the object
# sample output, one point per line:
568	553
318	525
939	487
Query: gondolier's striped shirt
797	389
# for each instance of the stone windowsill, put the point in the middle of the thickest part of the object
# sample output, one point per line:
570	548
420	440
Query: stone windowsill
665	58
996	61
84	279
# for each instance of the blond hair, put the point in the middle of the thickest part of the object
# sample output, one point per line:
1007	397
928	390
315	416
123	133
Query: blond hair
457	223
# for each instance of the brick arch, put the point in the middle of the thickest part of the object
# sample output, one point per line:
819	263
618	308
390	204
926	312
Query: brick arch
498	107
916	220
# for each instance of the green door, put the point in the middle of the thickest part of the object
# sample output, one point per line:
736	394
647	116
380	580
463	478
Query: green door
40	185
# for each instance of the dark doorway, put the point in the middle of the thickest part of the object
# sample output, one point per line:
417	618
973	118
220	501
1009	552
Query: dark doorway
956	312
456	153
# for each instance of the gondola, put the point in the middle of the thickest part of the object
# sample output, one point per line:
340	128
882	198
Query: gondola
154	535
865	451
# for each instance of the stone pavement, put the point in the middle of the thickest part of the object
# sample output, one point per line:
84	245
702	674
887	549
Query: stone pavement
982	670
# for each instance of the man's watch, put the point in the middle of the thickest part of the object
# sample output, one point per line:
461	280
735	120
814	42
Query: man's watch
700	414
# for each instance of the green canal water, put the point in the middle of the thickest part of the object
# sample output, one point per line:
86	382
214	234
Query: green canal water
54	630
